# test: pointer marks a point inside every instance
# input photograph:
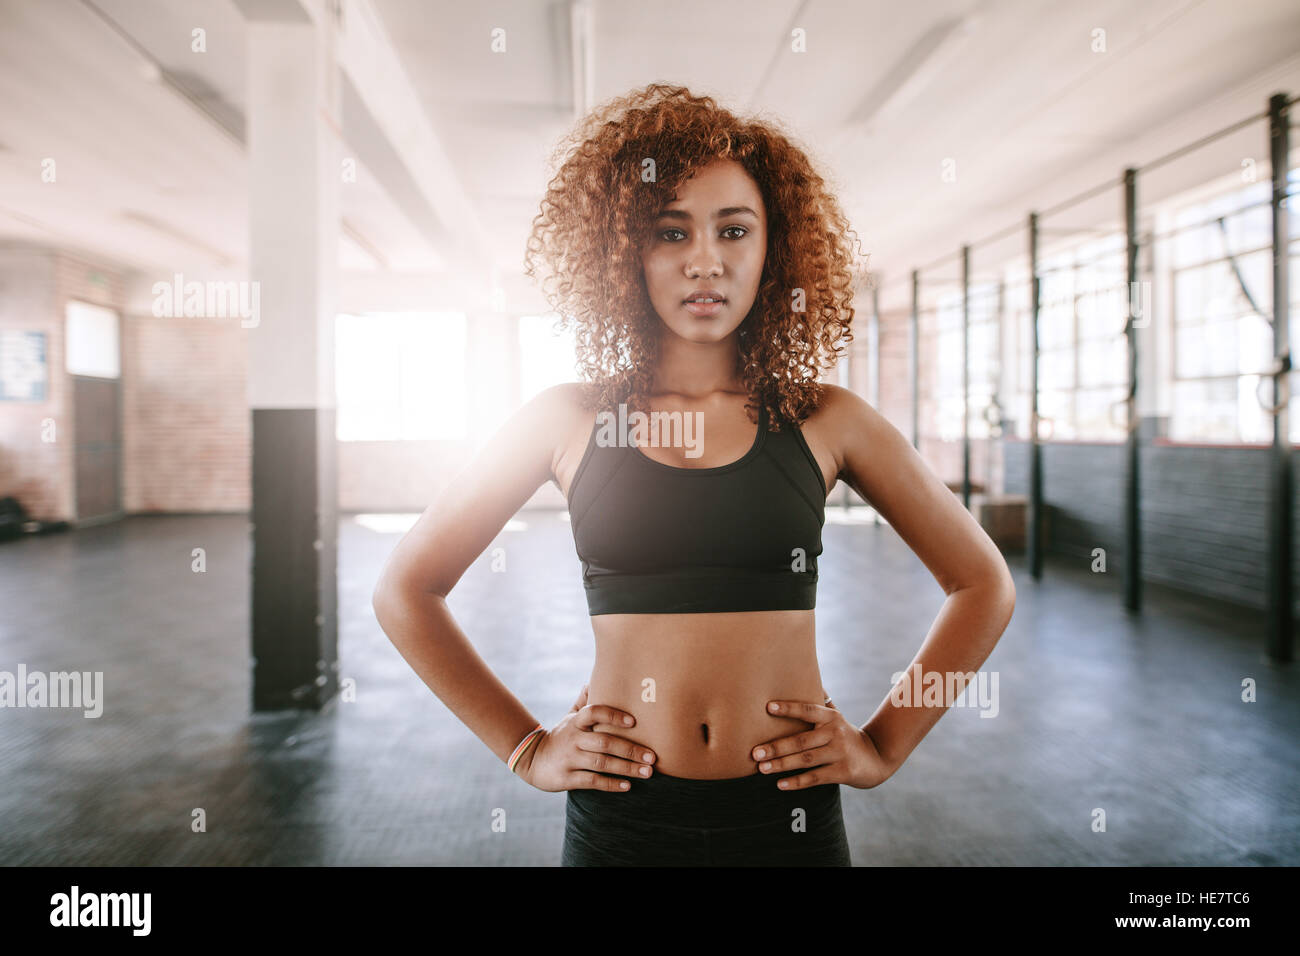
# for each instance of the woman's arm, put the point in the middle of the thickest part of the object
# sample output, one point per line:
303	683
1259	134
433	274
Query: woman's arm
410	599
876	461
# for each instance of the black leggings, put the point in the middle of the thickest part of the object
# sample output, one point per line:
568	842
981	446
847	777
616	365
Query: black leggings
675	821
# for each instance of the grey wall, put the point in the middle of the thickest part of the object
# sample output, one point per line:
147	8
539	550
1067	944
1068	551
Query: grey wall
1204	511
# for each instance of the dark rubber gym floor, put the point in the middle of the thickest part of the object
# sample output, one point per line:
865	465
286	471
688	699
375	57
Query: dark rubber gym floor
1140	716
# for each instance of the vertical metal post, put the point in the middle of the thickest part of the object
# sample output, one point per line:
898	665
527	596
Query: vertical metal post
965	376
916	361
1132	527
1035	543
1280	504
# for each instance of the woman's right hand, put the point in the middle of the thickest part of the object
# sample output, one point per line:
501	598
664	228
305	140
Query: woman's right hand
571	756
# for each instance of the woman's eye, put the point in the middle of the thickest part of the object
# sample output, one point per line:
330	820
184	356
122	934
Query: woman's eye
743	231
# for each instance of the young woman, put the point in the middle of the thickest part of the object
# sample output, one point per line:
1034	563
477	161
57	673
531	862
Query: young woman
708	272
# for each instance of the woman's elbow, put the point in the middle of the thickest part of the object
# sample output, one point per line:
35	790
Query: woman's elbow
394	591
381	601
1006	591
389	593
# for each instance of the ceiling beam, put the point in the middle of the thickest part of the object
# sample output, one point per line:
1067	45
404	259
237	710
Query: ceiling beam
400	146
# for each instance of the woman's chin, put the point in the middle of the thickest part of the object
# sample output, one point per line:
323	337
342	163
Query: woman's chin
701	331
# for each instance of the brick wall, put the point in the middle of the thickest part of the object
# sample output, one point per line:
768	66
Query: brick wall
34	471
188	438
36	285
1204	511
187	423
184	408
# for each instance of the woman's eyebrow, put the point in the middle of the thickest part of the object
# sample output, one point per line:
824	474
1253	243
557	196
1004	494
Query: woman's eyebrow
720	214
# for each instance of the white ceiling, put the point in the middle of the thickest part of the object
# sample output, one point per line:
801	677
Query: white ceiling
152	172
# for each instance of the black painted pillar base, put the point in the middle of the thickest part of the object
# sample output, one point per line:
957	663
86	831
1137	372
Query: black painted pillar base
295	558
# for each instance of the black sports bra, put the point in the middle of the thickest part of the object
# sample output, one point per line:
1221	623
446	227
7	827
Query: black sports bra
655	538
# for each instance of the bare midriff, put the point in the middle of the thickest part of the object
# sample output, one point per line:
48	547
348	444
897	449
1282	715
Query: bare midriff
699	684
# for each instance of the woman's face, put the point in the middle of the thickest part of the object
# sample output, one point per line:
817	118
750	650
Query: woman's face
711	236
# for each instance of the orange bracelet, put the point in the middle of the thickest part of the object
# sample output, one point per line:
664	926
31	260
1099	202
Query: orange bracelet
523	745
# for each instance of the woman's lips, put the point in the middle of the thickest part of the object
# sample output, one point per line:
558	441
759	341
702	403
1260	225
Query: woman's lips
705	309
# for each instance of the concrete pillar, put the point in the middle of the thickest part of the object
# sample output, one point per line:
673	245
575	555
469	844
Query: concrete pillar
294	176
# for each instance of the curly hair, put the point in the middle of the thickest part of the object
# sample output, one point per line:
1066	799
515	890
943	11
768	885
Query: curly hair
600	208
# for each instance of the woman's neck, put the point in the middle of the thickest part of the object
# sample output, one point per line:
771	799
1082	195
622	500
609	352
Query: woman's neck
696	369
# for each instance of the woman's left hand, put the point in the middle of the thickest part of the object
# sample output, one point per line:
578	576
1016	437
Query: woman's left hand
839	752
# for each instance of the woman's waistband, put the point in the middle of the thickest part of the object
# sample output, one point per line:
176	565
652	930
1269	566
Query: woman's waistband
665	800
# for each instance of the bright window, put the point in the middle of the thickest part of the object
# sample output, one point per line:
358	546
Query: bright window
940	362
400	376
92	341
546	355
1083	353
947	358
933	391
1222	344
985	362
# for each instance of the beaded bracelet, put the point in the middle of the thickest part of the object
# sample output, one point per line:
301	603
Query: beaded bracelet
523	745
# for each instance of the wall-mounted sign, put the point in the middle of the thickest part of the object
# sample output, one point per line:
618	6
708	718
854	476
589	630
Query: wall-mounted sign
23	368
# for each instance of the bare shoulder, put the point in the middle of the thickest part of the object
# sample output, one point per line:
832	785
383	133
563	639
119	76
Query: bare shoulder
867	449
842	417
841	406
561	412
878	462
556	407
